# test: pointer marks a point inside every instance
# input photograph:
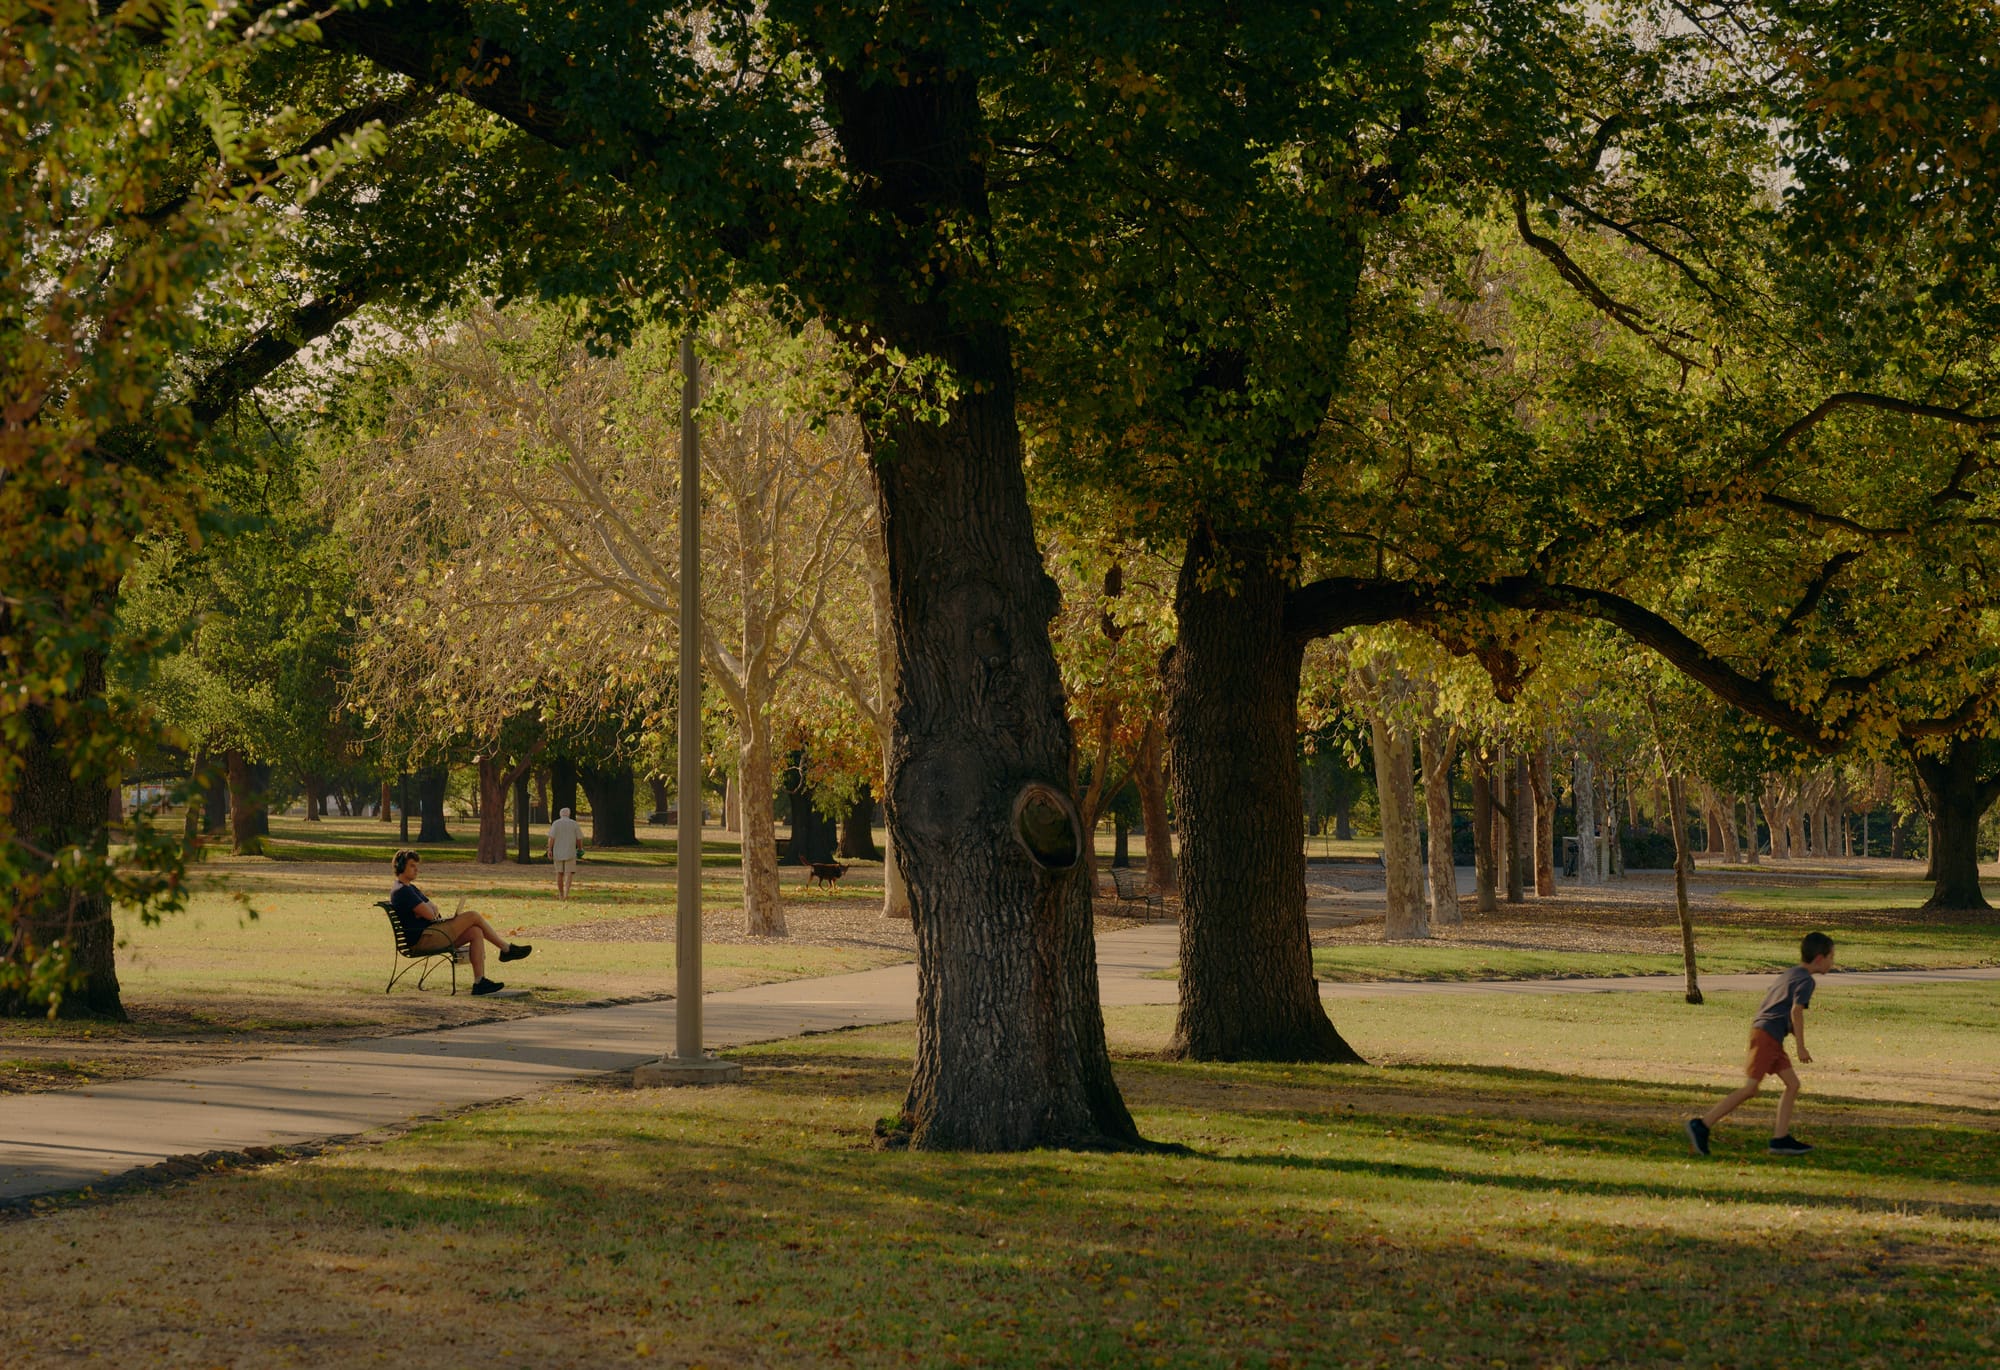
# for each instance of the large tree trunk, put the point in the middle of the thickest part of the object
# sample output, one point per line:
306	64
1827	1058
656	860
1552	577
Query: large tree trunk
315	788
763	910
1484	858
1545	823
857	829
1162	872
1247	986
495	777
732	805
1439	744
54	808
1010	1031
658	785
562	787
613	822
1958	797
432	782
1401	865
387	811
248	820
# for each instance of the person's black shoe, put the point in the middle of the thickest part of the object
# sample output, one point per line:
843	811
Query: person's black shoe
1697	1132
488	987
1788	1145
514	951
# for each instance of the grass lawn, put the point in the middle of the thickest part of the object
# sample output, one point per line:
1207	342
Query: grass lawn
1718	950
214	982
1737	928
317	930
1507	1187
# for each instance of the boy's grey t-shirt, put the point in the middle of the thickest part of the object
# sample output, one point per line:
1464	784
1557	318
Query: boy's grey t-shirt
1795	986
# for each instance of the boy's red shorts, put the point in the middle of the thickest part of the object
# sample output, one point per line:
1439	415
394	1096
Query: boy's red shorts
1767	1055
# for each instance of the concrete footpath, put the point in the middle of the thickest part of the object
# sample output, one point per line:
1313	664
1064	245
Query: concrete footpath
67	1140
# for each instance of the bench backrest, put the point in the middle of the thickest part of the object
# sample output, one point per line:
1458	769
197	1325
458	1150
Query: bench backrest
1125	881
404	946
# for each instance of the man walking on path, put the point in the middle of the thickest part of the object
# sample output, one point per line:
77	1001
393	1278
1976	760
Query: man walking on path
1783	1011
565	841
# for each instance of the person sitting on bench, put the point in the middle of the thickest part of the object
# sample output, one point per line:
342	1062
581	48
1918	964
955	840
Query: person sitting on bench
430	930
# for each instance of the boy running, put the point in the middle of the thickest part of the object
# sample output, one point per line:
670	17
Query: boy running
1783	1011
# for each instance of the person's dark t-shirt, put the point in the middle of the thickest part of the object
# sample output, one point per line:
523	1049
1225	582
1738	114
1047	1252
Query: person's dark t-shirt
1794	987
403	902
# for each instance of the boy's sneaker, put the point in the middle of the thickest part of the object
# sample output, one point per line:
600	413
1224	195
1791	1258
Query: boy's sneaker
1697	1132
1788	1145
514	951
494	987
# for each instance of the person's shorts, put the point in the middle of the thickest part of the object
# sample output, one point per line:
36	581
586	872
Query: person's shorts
1767	1055
566	866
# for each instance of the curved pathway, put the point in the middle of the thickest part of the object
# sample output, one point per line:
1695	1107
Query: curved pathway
68	1140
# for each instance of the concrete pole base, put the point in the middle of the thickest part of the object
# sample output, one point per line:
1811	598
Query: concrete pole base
675	1070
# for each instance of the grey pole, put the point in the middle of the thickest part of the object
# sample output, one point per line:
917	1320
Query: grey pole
687	865
688	1065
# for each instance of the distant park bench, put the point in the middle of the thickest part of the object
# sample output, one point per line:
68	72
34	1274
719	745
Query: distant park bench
827	873
1125	884
405	951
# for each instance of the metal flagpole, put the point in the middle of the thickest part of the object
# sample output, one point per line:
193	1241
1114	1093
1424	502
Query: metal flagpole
688	1064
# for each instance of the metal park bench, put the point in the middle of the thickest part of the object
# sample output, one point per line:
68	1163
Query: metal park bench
1125	883
406	951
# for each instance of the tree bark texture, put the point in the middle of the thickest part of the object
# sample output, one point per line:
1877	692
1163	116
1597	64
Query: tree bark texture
53	808
315	788
523	815
895	890
613	822
763	909
387	805
1545	822
1247	987
1584	782
658	785
214	797
1010	1031
432	782
248	820
562	787
496	778
1959	796
857	829
1404	868
1683	866
1520	827
1483	856
1150	774
1439	742
732	805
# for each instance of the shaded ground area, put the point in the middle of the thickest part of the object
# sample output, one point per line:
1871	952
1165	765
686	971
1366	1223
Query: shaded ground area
1462	1205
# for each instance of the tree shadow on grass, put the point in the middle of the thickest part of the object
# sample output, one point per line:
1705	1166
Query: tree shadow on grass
1575	1185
